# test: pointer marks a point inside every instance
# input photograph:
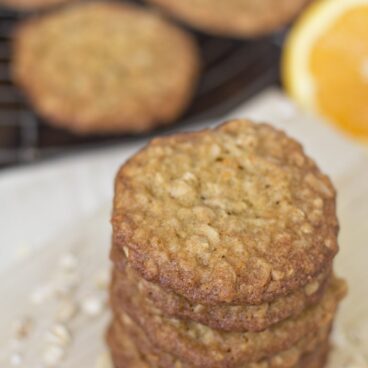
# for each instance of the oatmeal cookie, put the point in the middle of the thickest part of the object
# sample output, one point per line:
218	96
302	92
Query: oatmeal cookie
128	343
223	317
105	67
238	214
316	359
236	18
203	347
27	5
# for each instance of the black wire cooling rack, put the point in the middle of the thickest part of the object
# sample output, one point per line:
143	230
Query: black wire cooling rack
233	71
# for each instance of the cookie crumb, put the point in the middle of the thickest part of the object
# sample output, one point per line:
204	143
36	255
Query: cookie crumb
59	335
16	359
66	284
53	356
92	306
23	327
68	262
41	294
67	311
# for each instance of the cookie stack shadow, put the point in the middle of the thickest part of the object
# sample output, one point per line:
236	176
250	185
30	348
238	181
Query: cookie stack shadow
275	310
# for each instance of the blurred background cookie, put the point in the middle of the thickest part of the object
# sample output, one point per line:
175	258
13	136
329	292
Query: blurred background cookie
237	18
31	4
105	67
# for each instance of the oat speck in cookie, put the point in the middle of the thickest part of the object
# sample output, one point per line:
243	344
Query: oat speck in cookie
105	67
237	214
236	18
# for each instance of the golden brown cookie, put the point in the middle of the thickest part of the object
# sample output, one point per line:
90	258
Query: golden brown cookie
105	67
200	346
236	18
28	5
130	348
223	317
318	358
233	215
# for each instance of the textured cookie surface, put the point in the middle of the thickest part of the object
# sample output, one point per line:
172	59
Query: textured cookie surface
130	348
105	67
203	347
238	214
31	4
240	18
224	317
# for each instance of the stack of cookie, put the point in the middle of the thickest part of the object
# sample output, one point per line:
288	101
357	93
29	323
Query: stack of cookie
223	243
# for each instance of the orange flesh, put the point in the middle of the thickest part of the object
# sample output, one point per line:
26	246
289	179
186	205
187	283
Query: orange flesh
339	65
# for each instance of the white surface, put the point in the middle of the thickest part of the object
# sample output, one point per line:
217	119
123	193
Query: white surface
30	289
66	203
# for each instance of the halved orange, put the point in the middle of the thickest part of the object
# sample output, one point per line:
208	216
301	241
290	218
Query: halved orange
325	63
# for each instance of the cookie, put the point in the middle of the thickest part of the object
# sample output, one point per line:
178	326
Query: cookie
236	18
130	347
318	358
233	215
203	347
223	317
105	67
28	5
